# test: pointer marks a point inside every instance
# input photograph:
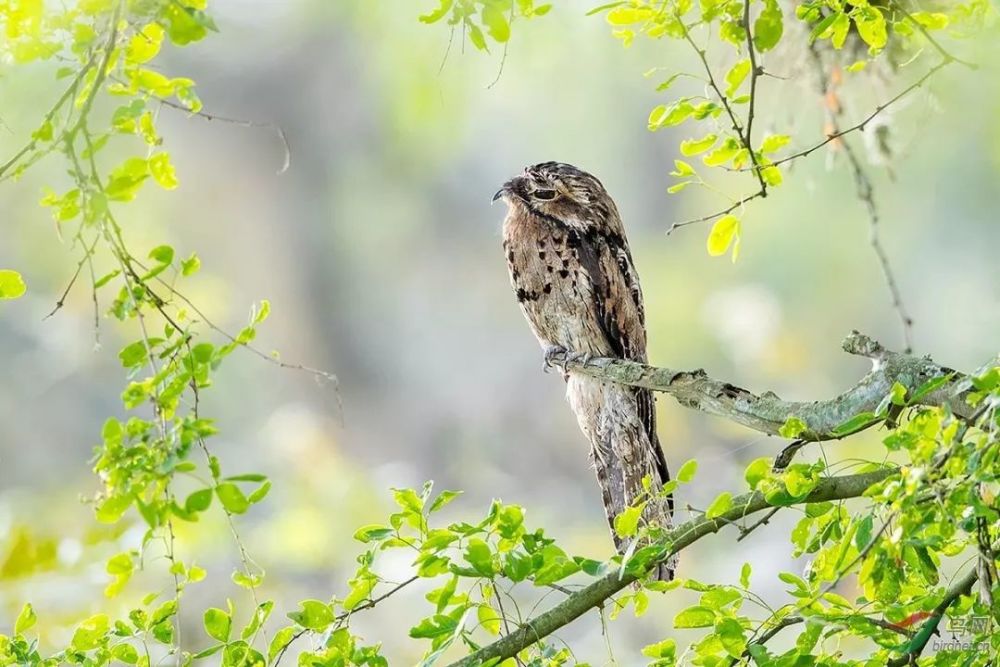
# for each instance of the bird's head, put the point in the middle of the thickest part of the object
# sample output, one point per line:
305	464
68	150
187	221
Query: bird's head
560	191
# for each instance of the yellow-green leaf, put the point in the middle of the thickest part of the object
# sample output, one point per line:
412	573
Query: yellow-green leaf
724	231
722	503
163	171
11	284
694	146
736	75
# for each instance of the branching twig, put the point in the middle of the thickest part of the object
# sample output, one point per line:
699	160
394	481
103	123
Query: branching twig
740	132
866	194
677	539
864	123
717	214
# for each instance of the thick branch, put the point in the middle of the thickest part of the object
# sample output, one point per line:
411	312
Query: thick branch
679	538
767	413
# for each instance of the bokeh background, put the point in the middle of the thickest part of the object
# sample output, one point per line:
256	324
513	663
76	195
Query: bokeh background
380	253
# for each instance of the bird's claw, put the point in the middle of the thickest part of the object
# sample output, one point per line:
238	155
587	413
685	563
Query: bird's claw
554	355
559	356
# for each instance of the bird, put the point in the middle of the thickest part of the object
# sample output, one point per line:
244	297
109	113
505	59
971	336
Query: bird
576	284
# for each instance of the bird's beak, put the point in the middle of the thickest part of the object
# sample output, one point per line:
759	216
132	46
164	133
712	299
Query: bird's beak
511	187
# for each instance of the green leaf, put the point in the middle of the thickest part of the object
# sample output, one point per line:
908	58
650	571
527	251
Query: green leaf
476	37
772	176
695	617
89	634
687	471
898	394
863	536
736	75
682	168
745	575
489	619
480	557
665	650
373	533
792	428
871	25
437	14
667	116
719	506
695	146
627	523
443	499
435	626
125	653
218	624
112	508
774	142
248	581
232	498
11	284
496	22
163	171
556	565
126	179
730	633
758	471
855	424
190	266
724	232
281	639
25	620
723	153
768	27
315	615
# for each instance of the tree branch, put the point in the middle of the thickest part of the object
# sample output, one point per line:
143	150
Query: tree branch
915	647
767	413
677	539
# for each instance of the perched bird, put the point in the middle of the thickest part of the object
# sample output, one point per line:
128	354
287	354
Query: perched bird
573	276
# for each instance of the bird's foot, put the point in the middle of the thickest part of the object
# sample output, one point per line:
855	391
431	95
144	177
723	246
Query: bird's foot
559	356
554	356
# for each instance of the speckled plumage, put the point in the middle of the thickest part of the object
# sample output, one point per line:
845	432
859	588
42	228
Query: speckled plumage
575	281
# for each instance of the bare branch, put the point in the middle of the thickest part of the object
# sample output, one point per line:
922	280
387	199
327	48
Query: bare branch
767	413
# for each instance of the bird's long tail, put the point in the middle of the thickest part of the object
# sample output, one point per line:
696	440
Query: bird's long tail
619	422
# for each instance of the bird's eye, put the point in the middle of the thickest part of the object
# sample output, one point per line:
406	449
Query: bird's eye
545	195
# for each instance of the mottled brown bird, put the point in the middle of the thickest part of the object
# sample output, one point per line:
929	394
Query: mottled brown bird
573	276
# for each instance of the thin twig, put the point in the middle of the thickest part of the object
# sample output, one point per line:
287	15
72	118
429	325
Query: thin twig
277	129
861	125
763	521
744	138
866	194
705	218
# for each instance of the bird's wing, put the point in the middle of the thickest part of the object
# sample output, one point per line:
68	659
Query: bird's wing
618	308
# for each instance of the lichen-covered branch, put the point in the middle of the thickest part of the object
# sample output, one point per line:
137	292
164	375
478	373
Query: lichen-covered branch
679	538
767	413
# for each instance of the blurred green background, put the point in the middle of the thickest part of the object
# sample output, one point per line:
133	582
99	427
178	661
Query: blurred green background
380	253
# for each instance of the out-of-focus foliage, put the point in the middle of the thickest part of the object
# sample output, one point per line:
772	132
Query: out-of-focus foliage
870	33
